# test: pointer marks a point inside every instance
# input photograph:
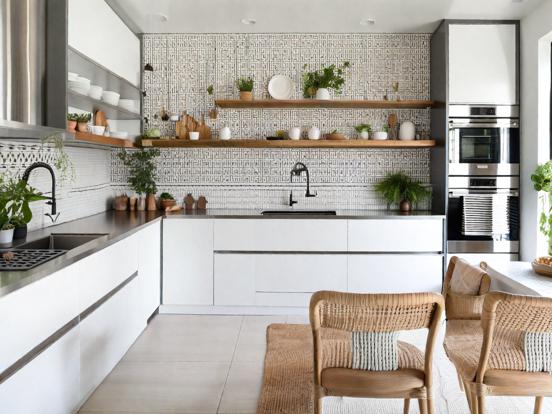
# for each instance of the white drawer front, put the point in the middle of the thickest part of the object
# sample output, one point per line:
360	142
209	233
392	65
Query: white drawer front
282	279
405	235
281	235
393	273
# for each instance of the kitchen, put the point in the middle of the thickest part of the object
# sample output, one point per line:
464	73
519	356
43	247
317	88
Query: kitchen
179	180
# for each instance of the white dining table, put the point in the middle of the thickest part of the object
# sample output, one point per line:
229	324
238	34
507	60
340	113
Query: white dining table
518	277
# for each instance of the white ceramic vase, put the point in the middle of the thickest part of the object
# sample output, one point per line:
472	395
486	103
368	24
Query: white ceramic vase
314	133
6	236
407	131
364	135
294	133
225	134
379	135
194	135
323	94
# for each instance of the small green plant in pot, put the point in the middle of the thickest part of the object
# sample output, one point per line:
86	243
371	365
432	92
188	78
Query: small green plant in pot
72	121
542	182
245	86
398	188
21	195
317	84
364	130
166	200
142	174
82	121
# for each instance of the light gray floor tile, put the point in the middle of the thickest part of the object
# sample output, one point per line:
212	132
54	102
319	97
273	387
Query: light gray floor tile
242	389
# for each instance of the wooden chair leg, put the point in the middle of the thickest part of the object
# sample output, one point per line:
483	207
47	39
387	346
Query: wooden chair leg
481	404
461	383
406	409
538	405
423	406
430	406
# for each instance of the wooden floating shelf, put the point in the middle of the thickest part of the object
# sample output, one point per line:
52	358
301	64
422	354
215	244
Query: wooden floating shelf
262	143
100	139
316	103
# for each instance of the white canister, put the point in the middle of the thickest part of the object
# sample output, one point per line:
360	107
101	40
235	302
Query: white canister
364	134
407	131
323	94
194	135
6	236
294	133
314	133
225	134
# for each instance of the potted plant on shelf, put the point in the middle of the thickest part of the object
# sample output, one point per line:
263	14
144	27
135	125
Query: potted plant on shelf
382	134
72	121
317	84
21	194
542	182
166	200
82	121
399	188
245	86
142	172
363	130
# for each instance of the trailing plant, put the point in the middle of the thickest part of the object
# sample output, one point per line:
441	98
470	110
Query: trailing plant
398	186
72	116
245	84
63	164
85	117
542	182
330	77
210	89
142	169
166	196
363	128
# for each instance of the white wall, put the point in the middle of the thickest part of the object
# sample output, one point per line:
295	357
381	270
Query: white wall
536	37
96	31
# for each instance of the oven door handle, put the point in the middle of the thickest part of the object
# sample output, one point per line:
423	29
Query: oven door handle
489	191
491	124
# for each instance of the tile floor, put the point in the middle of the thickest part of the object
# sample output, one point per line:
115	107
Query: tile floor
187	364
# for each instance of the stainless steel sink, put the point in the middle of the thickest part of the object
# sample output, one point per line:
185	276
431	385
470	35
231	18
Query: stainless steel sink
298	213
60	241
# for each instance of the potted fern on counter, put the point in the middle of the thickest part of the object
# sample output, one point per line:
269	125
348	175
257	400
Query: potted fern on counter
398	188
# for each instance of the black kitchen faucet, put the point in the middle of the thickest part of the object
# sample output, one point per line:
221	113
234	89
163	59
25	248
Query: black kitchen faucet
296	171
53	215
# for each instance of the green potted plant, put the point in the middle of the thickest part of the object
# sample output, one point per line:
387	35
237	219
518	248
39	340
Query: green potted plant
72	121
317	84
364	130
542	182
82	121
166	200
142	172
399	188
6	227
21	194
381	134
245	86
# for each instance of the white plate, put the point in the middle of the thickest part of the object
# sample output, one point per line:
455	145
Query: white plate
280	87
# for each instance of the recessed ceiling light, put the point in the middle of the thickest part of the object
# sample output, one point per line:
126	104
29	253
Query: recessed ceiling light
368	21
160	17
248	21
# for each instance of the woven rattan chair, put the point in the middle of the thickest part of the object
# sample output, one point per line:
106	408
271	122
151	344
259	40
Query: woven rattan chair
513	356
356	352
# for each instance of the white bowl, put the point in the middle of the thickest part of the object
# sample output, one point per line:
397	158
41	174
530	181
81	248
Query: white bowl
79	89
81	80
379	135
72	76
131	105
118	134
97	129
110	97
95	92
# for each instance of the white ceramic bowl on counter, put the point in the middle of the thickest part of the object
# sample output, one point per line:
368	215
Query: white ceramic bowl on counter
111	97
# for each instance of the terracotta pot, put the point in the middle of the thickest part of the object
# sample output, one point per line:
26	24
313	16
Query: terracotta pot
405	206
120	203
141	204
246	95
82	126
166	202
151	203
71	125
20	232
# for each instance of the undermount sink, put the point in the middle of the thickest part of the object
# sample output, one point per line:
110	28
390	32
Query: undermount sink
298	213
60	241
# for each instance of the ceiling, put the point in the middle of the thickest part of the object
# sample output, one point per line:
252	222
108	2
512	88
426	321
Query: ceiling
308	16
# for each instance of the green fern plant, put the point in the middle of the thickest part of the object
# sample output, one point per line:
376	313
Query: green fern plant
245	84
398	186
330	77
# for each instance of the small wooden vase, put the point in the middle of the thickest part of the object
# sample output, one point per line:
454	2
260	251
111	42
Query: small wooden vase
151	203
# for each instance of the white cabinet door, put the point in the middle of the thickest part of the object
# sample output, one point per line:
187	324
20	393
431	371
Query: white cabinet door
49	384
188	261
482	64
395	273
149	268
287	235
276	279
401	235
106	335
32	313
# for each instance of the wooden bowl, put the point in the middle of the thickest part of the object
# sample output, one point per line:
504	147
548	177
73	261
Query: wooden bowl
336	137
542	269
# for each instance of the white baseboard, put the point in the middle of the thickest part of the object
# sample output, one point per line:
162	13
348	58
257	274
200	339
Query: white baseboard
231	310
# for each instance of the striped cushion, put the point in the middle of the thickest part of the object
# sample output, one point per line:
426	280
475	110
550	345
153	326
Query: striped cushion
537	347
375	351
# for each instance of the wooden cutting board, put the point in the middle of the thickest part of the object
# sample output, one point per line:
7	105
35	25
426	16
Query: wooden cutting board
100	119
204	130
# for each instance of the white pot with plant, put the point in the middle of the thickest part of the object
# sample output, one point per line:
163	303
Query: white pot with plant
363	130
318	83
542	182
245	86
6	233
382	134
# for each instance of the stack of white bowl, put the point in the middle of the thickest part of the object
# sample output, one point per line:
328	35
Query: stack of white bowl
79	84
111	97
95	92
131	105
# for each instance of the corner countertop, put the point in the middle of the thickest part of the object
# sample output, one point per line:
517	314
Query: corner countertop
112	225
312	214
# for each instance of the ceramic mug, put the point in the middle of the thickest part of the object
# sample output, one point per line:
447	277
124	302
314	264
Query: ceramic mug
314	133
294	133
194	135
